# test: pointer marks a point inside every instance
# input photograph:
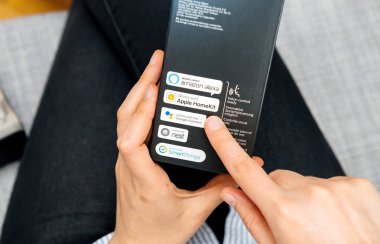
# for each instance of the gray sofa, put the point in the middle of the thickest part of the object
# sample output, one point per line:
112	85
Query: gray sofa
331	48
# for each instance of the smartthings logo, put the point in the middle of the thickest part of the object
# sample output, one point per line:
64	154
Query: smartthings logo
173	133
162	149
178	152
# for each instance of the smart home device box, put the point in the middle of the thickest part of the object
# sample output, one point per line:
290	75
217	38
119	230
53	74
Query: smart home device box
217	61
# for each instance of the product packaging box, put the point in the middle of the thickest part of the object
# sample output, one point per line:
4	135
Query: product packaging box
217	60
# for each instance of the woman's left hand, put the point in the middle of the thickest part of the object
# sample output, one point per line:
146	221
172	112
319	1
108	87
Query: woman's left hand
150	208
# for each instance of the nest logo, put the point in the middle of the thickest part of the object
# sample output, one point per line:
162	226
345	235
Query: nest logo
173	78
173	133
182	153
164	132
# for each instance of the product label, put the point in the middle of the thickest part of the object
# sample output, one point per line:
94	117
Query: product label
237	115
191	101
173	133
183	117
194	83
179	152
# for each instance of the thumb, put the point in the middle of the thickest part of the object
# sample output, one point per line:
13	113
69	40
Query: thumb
252	217
207	198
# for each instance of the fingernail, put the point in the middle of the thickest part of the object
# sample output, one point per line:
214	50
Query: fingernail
229	199
153	59
214	123
149	92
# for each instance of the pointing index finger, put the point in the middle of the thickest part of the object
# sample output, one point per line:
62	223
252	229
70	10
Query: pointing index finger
247	173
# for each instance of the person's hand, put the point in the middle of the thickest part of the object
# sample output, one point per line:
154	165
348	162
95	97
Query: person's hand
150	208
285	207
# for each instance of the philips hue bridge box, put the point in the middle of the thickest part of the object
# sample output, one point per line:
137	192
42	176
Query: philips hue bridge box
217	61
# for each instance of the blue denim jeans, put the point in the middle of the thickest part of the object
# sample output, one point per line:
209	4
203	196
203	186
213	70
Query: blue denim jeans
65	189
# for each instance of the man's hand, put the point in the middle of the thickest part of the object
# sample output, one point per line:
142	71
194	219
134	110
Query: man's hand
285	207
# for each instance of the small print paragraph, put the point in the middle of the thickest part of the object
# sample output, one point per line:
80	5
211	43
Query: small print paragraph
199	14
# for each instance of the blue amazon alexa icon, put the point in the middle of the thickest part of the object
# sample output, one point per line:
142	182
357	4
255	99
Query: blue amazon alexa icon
173	79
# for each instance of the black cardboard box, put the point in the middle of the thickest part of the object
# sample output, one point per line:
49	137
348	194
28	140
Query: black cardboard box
218	55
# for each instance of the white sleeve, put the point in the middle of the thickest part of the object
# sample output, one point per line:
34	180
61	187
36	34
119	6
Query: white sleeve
105	239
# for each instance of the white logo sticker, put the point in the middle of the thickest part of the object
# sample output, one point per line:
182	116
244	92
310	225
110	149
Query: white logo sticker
191	101
183	153
194	83
183	117
173	133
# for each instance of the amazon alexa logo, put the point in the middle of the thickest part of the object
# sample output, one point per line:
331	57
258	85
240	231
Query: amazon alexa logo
173	79
162	149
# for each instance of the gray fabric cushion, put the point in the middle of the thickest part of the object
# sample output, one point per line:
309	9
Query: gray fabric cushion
332	50
7	178
27	48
